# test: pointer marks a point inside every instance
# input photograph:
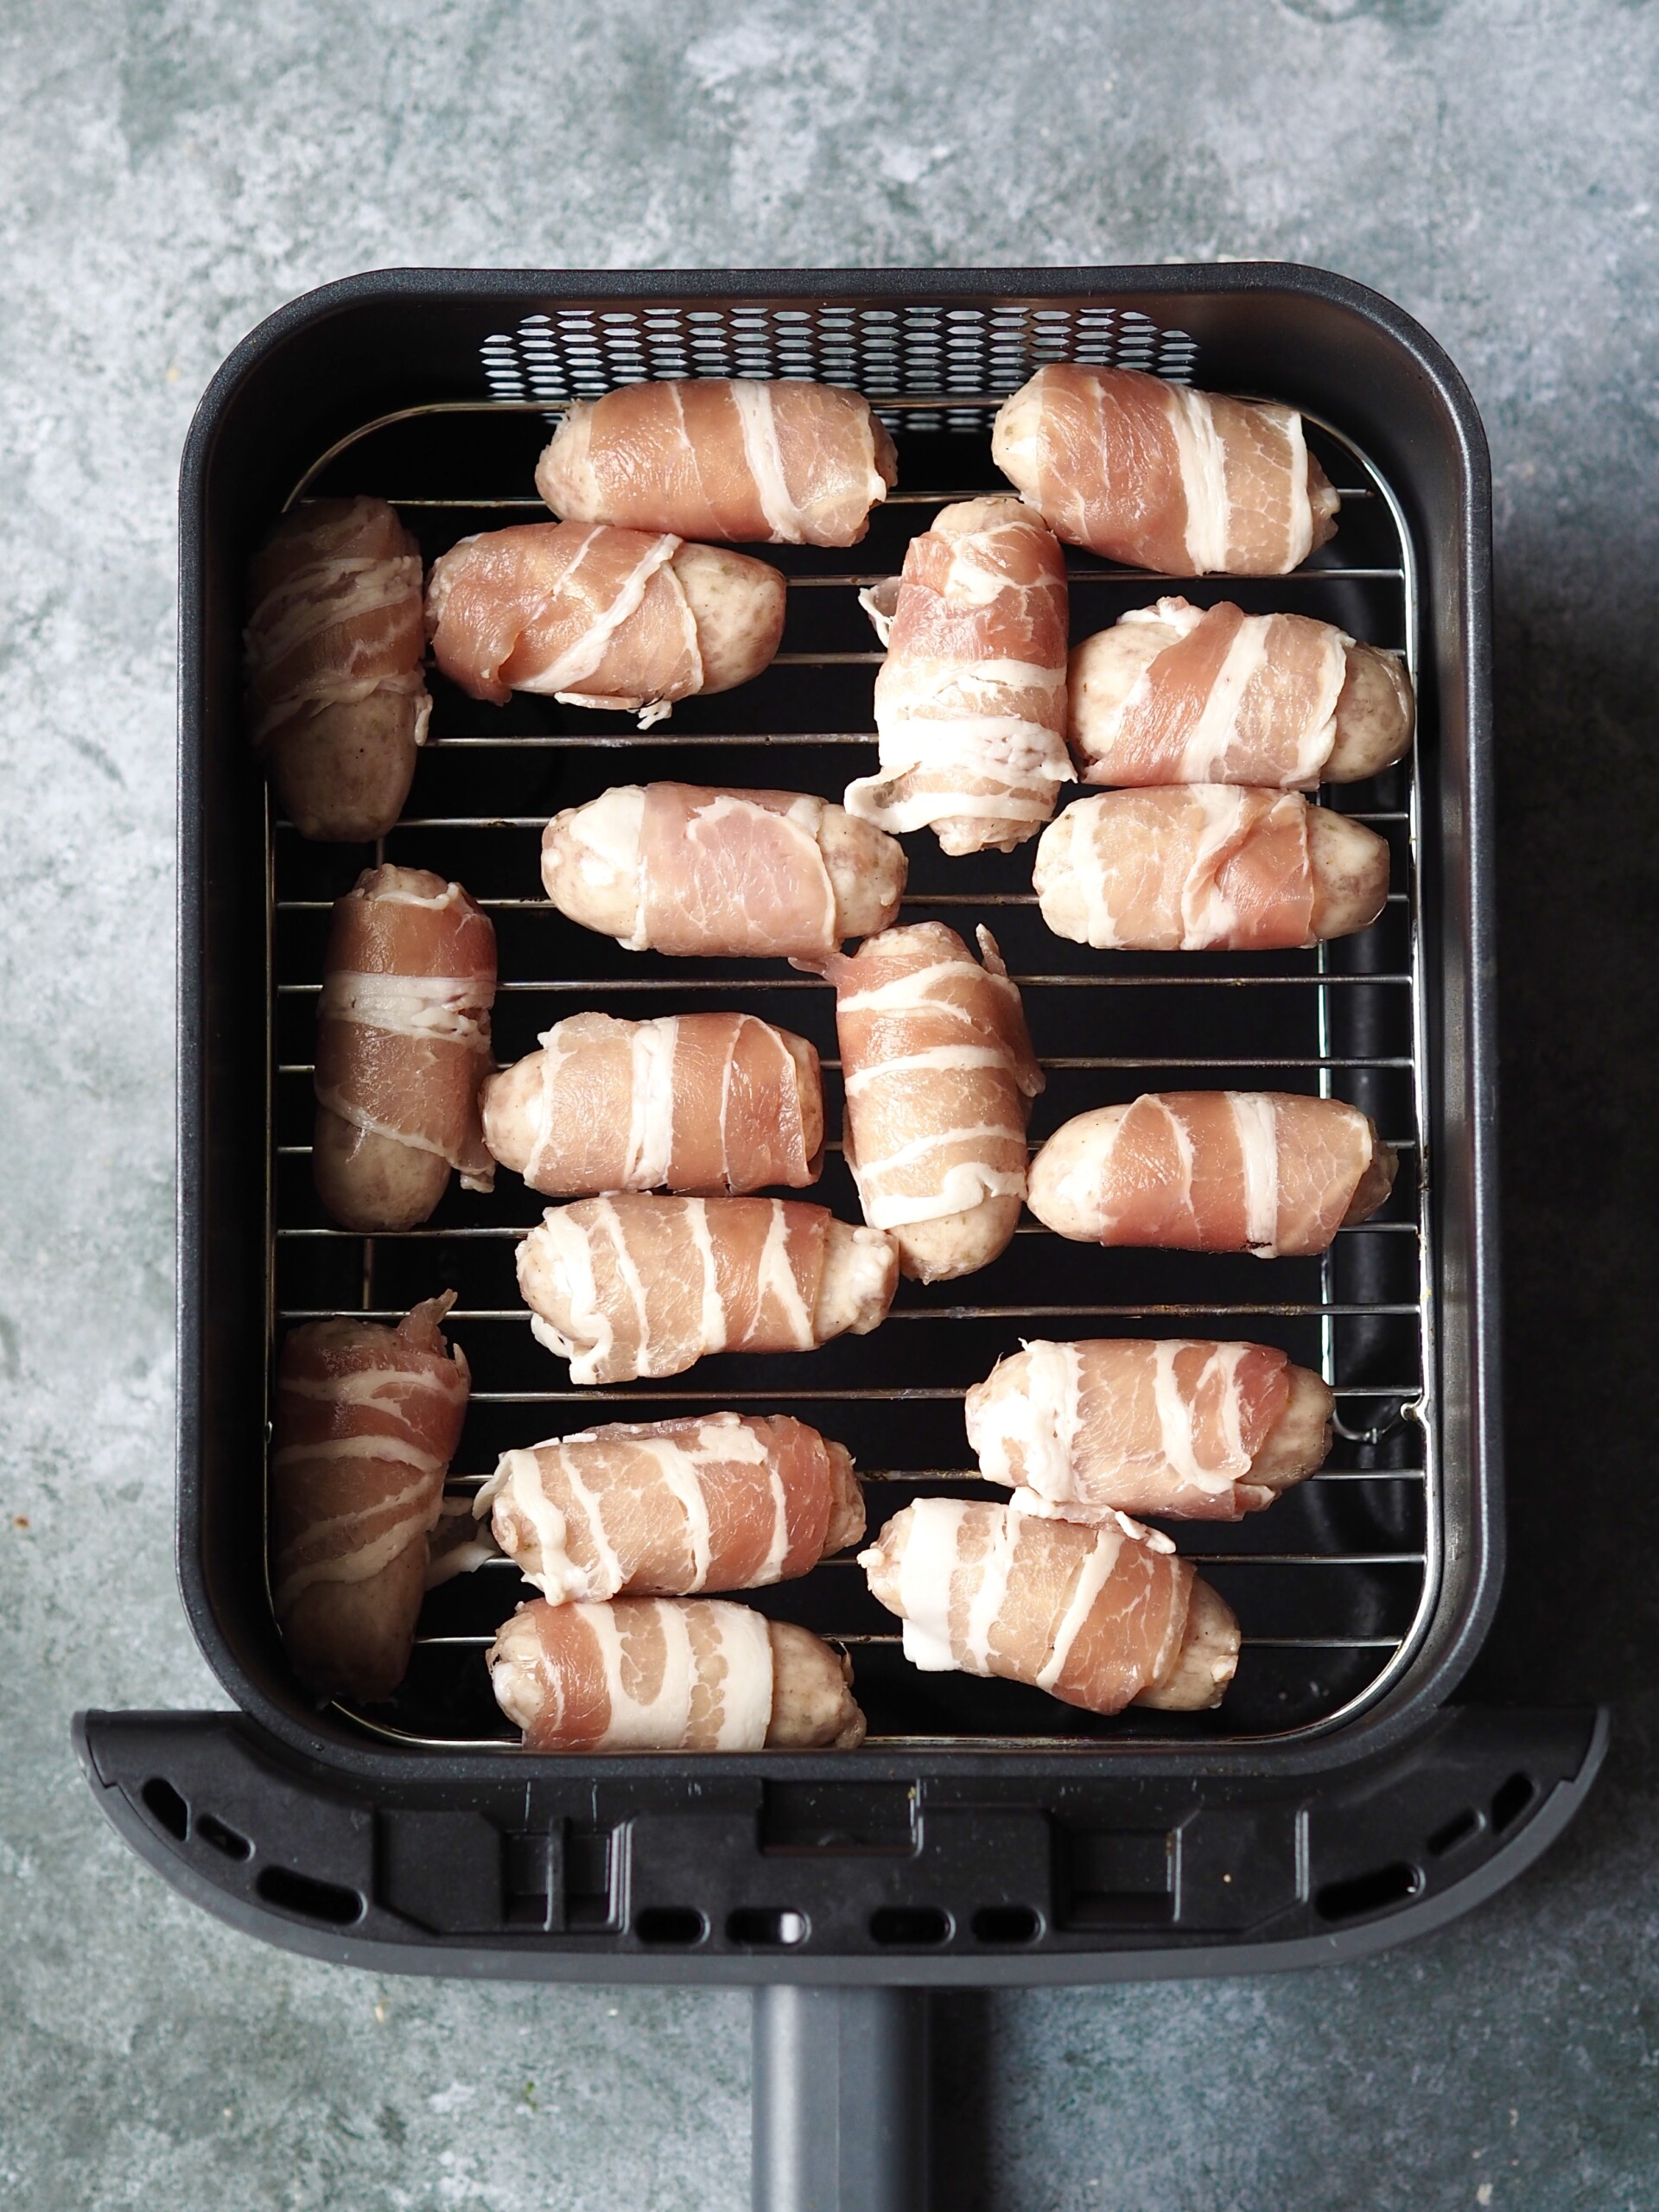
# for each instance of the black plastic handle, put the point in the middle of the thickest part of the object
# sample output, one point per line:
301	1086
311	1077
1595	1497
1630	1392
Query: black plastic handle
841	2100
534	1869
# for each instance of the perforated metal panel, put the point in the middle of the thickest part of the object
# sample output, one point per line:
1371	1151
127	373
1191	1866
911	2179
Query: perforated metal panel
960	353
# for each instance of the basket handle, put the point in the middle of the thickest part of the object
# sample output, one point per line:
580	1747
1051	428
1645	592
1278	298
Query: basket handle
841	2100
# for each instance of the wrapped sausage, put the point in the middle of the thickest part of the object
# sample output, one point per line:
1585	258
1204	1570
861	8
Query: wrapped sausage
367	1420
1162	477
691	1102
970	700
596	617
1102	1617
1201	1431
337	704
676	867
668	1508
1175	694
1205	867
403	1044
669	1674
792	463
939	1079
1267	1172
624	1287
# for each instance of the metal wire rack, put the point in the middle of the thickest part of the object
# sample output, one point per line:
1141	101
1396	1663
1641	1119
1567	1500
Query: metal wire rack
1335	1585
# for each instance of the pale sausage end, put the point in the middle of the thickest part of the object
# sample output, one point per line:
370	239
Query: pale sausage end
957	1243
809	1085
846	1524
370	1183
737	603
1350	867
1297	1443
812	1702
1206	1662
1103	672
867	871
590	860
341	775
1376	714
1374	1184
509	1104
860	1272
1064	1185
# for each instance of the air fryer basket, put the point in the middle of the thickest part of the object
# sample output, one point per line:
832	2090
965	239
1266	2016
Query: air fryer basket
985	1832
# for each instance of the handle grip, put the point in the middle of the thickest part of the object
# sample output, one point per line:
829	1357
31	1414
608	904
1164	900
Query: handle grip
841	2100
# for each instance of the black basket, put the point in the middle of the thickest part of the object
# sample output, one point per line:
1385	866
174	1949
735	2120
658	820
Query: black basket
985	1834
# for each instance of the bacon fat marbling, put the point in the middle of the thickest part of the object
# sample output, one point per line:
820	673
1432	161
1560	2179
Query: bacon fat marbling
1272	1172
970	700
367	1420
697	1102
788	463
403	1044
1163	477
1198	1430
628	1286
337	704
669	1508
1099	1617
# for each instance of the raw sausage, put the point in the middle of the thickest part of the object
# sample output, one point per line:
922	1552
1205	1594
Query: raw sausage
692	1102
1100	1616
970	700
337	704
1163	477
597	617
403	1044
629	1285
1202	1431
791	463
678	868
367	1420
1267	1172
1175	694
1205	867
669	1674
671	1509
939	1078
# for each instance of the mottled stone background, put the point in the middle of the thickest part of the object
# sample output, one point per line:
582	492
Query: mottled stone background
170	173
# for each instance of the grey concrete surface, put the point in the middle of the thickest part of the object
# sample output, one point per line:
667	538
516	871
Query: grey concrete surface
168	173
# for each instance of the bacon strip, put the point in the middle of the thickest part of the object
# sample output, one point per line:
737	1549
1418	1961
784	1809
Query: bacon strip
629	1285
1268	1171
404	1019
1168	1425
719	457
668	1508
336	597
1098	1616
1193	867
1220	698
939	1075
970	700
641	1674
593	616
1163	477
367	1421
694	1103
681	869
739	872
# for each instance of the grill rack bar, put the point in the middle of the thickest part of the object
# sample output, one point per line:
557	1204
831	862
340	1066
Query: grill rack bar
460	1485
1397	1403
